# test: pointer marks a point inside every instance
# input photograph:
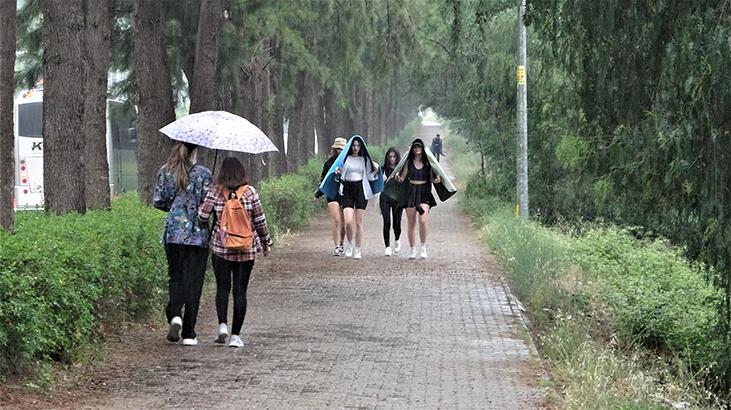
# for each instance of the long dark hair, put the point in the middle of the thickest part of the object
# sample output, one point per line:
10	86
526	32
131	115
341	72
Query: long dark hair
424	158
387	163
231	175
179	162
363	151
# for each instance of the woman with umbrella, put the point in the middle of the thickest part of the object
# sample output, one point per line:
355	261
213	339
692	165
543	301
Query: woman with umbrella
180	188
410	184
357	178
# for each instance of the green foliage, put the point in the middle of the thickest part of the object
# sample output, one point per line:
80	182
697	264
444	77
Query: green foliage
601	287
288	200
653	294
64	277
572	152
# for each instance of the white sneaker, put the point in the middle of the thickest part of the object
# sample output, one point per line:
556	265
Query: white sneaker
338	250
235	341
348	251
397	247
190	342
174	331
422	254
357	254
222	333
412	254
387	252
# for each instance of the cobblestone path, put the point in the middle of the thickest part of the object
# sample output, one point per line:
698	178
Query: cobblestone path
330	332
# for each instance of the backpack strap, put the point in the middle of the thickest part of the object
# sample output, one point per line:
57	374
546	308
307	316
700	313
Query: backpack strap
241	191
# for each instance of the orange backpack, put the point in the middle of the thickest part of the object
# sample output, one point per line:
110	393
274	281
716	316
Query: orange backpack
236	230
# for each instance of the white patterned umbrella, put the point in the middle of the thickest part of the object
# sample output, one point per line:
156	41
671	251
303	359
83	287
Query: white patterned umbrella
219	130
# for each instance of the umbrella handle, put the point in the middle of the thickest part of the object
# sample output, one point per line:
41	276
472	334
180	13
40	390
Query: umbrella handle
215	159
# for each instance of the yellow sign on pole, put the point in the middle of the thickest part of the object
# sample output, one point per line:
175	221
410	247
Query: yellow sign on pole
520	74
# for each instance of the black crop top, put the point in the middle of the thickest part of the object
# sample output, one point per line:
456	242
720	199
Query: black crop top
416	174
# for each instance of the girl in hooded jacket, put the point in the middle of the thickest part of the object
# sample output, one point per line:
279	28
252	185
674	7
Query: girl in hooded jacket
419	176
355	173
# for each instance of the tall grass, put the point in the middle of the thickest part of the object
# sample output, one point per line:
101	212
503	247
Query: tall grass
620	323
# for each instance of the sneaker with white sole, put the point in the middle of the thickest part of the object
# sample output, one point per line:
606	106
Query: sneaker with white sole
412	254
387	252
190	342
235	341
222	333
422	254
397	247
348	251
174	331
337	251
357	254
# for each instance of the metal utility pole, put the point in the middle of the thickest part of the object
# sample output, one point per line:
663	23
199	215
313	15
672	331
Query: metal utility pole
522	140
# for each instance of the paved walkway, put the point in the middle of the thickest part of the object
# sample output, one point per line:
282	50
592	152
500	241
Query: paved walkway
329	332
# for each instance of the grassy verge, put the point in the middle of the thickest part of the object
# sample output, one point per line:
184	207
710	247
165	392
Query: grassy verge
620	323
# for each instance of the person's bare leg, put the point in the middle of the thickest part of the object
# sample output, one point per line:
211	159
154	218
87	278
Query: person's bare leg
336	222
342	224
423	227
359	214
411	226
349	215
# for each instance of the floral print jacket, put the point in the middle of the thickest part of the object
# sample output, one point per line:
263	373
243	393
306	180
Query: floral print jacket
182	225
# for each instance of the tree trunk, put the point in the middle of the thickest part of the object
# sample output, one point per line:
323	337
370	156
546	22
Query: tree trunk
8	22
324	140
203	82
338	119
95	105
297	125
310	118
63	106
266	116
279	159
154	94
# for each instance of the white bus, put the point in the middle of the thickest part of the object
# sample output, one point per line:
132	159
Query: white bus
28	118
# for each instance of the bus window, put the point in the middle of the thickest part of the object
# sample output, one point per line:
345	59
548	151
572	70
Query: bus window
30	119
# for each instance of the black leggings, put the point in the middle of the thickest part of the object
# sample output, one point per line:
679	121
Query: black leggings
388	208
186	269
241	273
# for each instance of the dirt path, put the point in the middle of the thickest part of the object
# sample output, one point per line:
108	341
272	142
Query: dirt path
329	332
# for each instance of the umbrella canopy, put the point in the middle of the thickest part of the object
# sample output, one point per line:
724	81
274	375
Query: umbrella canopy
219	130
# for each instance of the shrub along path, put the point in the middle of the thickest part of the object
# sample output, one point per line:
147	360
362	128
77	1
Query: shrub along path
323	331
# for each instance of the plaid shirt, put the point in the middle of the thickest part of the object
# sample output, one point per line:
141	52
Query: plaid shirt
215	201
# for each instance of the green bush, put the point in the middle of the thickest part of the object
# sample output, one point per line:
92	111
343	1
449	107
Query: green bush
288	201
64	276
654	295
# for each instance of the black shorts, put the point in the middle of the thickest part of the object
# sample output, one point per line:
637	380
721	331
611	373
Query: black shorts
353	196
337	199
